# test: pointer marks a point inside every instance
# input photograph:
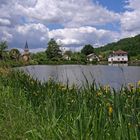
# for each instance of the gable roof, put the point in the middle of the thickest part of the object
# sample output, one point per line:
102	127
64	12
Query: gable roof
90	55
119	52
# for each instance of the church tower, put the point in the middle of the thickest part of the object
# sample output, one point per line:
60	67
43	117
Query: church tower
26	54
26	49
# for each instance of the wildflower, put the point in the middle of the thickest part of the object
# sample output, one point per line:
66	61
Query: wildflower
110	110
99	94
35	94
108	104
72	101
138	83
129	124
32	82
49	78
131	86
107	88
63	89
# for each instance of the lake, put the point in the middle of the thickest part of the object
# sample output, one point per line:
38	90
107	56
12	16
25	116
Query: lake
115	76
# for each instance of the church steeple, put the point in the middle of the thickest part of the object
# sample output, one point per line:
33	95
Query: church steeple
26	49
26	54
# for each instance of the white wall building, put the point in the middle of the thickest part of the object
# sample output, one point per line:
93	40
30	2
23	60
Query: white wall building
118	57
91	57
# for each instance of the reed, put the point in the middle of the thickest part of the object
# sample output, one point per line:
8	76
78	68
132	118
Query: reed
31	110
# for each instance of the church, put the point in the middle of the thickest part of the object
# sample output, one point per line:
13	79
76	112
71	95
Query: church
26	53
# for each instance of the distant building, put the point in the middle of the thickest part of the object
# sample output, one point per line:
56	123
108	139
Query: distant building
26	53
66	57
118	57
92	57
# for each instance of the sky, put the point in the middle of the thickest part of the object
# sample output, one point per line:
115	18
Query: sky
72	23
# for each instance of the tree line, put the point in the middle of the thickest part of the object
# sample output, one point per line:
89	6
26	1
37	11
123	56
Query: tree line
52	55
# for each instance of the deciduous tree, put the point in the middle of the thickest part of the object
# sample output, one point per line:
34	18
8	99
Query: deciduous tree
53	50
87	49
3	46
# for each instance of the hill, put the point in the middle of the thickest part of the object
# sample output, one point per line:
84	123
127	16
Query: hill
131	45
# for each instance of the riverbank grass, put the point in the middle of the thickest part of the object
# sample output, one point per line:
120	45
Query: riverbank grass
31	110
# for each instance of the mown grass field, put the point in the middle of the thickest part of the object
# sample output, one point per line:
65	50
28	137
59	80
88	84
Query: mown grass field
30	110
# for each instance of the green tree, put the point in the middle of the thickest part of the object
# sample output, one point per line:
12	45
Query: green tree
87	49
78	57
39	57
14	54
53	51
3	46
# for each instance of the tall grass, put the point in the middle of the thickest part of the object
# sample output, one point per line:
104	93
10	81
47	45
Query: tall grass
50	111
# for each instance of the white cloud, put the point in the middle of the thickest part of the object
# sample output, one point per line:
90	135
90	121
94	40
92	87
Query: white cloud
4	22
22	20
7	36
132	4
33	33
83	35
130	21
69	12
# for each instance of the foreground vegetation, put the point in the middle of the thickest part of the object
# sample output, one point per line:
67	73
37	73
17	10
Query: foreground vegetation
34	111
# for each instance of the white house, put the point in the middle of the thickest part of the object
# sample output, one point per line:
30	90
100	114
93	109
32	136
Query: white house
91	57
118	57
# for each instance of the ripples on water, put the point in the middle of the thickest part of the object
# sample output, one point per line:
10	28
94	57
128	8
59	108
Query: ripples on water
115	76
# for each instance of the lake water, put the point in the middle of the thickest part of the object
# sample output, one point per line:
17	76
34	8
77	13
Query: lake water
115	76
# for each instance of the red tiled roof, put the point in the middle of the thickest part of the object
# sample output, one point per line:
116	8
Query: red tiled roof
119	52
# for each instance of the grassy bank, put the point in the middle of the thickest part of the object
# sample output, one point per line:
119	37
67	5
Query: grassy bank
34	111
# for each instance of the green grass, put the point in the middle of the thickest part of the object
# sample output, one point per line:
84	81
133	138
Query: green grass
30	110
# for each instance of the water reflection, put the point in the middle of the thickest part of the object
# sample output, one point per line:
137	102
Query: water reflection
118	64
83	74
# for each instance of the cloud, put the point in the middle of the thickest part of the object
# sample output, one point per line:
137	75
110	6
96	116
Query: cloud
28	20
4	22
132	4
33	33
83	35
130	21
69	13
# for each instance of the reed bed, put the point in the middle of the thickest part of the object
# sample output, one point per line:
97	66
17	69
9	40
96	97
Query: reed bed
30	110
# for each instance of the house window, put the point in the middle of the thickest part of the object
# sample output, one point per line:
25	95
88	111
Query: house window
118	59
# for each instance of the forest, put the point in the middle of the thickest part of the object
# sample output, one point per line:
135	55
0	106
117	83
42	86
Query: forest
131	45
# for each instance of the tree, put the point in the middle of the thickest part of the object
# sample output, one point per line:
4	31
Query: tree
14	54
78	57
53	50
39	57
87	49
3	46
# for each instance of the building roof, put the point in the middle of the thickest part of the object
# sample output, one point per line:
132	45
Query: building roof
90	55
26	45
119	52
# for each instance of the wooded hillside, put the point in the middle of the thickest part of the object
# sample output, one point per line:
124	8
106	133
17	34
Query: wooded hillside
131	45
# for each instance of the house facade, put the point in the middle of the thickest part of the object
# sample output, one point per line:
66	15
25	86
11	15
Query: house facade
118	57
91	57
